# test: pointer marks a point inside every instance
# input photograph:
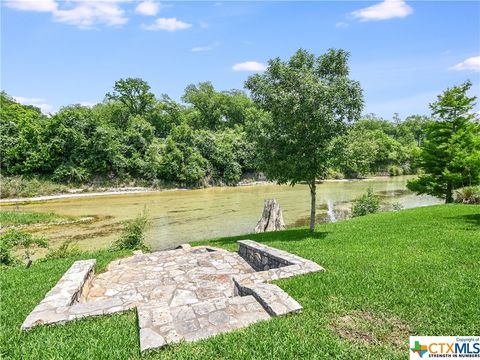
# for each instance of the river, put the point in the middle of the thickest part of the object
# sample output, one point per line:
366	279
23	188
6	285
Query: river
187	215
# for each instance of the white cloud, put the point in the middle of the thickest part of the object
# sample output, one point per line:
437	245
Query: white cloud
472	63
32	5
168	24
342	25
82	13
207	47
37	102
249	66
148	8
388	9
88	103
86	14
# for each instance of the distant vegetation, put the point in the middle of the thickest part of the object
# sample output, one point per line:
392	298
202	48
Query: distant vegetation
205	140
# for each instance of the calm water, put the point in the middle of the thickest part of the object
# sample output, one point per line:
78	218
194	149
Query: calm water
186	215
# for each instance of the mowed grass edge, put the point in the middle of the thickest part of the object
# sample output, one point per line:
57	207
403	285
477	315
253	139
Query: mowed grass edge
388	276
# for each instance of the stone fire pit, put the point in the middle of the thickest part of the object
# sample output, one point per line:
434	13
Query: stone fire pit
187	293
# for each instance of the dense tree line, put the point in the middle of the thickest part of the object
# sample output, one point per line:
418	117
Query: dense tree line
132	135
208	138
374	145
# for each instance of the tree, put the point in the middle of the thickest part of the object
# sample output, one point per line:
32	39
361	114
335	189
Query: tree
217	110
450	154
357	152
67	148
180	160
21	137
167	114
134	93
227	154
309	99
207	102
413	127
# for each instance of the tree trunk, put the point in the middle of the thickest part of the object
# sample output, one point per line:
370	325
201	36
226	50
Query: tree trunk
449	195
272	217
313	198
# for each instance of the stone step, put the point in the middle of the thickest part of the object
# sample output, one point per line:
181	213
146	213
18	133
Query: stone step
161	325
68	291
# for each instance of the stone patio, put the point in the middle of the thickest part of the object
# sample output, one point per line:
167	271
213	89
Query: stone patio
182	294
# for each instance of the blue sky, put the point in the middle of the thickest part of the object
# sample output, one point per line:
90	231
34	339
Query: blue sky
55	53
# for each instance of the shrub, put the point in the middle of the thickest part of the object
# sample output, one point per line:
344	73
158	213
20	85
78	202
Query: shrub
68	249
19	186
25	240
334	174
6	256
468	195
70	174
395	170
368	203
133	235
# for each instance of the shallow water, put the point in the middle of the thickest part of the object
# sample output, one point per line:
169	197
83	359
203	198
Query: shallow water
187	215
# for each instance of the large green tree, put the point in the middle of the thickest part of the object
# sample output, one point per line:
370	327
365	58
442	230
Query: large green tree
180	161
216	110
21	137
134	93
357	151
450	154
310	99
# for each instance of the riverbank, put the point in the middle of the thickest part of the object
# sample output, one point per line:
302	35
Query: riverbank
182	216
365	305
76	193
18	189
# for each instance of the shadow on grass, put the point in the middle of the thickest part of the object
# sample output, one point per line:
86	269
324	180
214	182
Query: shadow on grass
275	236
472	219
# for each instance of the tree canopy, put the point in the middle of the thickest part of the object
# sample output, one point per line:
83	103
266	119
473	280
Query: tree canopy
450	154
131	135
134	93
309	100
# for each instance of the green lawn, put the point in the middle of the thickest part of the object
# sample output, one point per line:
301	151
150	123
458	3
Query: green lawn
12	218
387	276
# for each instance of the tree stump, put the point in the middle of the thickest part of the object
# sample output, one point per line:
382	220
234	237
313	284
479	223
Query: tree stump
272	217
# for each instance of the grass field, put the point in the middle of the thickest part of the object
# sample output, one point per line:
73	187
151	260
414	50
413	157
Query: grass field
12	218
388	276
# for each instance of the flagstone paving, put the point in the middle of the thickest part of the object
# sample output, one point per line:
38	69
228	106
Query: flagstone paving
183	294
